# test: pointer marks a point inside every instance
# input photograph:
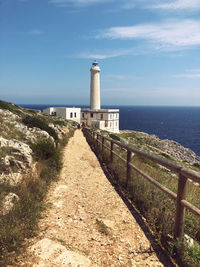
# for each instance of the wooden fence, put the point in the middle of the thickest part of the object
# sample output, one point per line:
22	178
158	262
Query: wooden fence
184	175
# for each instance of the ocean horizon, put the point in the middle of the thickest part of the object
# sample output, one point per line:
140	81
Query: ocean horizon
178	123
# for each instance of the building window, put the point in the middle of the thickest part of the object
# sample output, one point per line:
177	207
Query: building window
71	115
91	115
82	115
116	123
111	116
101	116
110	124
74	114
106	124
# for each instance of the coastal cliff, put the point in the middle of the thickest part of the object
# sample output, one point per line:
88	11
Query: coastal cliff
20	131
168	149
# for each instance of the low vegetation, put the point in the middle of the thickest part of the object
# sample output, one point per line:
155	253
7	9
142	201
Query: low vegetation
154	205
11	107
21	222
102	228
34	121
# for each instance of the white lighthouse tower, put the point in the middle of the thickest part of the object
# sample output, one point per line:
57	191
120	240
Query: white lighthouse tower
95	87
103	119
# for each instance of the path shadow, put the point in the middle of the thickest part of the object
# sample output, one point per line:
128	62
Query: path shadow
160	251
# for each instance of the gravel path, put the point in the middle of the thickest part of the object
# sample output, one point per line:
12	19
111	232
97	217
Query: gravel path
88	224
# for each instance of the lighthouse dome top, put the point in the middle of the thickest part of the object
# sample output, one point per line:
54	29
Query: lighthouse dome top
95	63
95	67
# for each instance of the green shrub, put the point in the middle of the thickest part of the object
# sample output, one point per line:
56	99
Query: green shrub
11	107
147	161
114	137
32	121
166	156
44	149
197	165
51	168
21	223
60	122
102	228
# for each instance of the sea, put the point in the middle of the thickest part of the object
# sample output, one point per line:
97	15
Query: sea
181	124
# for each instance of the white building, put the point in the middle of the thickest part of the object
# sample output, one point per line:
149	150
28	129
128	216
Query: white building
104	119
67	113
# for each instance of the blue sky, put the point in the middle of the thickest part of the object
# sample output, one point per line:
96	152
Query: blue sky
148	51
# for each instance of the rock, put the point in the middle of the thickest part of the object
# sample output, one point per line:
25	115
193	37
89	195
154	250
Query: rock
60	132
177	151
16	162
8	115
32	134
19	148
51	253
11	179
188	240
152	144
8	203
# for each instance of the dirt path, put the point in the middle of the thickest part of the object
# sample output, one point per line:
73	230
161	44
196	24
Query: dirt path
88	224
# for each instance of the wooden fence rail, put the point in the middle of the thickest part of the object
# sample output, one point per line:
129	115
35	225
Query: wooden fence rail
183	173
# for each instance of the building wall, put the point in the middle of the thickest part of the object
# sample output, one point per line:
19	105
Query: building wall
73	114
106	120
103	119
66	113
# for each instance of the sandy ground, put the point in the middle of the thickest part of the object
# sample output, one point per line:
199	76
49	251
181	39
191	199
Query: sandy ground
82	201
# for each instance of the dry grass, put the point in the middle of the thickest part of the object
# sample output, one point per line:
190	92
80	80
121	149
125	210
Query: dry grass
156	206
21	223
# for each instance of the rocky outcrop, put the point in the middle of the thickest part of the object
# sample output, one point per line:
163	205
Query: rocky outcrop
20	149
8	203
17	160
179	152
153	144
50	253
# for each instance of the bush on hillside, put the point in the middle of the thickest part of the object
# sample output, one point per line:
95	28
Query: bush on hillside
44	150
9	106
114	137
40	123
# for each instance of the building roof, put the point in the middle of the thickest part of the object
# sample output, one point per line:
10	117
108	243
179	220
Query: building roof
100	110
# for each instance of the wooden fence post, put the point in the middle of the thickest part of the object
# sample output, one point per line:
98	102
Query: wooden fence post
97	140
180	209
128	168
111	151
102	144
94	140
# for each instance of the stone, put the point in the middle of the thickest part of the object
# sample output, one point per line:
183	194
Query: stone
8	203
11	179
189	240
51	253
19	148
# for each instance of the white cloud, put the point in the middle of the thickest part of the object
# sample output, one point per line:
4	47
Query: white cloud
77	2
104	55
178	4
169	35
129	4
193	73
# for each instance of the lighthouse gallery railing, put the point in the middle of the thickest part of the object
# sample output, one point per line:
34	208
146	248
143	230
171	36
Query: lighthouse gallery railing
184	175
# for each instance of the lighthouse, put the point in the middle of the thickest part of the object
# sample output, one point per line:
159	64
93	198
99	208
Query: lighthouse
95	116
95	87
